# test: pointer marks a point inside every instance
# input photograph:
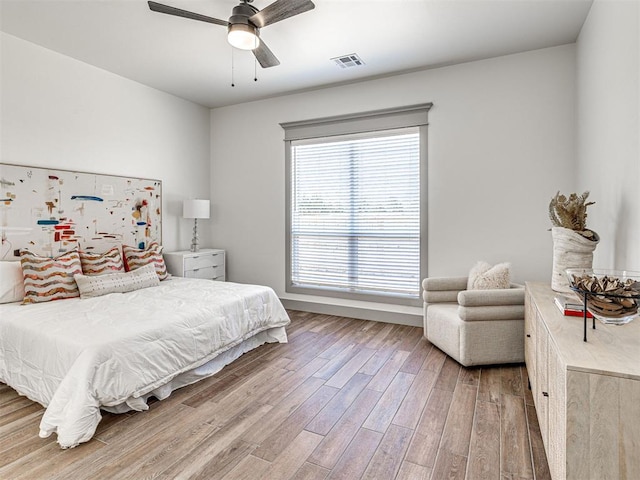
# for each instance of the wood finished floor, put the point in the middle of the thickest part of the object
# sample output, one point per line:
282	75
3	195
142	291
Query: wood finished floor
344	399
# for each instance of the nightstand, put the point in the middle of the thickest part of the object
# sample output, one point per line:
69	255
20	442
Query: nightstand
207	263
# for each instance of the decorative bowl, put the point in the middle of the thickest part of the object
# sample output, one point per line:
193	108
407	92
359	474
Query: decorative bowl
613	296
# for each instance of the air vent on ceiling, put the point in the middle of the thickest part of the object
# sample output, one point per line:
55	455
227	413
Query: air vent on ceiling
348	61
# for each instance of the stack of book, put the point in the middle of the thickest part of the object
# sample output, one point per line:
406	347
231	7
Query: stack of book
571	307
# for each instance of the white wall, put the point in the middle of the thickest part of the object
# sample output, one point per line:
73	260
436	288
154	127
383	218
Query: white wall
501	143
608	129
61	113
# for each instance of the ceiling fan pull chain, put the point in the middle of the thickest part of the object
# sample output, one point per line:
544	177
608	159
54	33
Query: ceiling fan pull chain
232	69
255	70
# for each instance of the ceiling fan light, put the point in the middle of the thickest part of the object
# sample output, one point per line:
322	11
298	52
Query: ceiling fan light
243	36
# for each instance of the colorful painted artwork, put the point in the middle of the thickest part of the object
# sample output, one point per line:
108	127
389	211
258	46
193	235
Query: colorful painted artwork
53	211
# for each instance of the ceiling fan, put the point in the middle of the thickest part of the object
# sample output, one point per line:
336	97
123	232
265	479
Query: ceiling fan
245	23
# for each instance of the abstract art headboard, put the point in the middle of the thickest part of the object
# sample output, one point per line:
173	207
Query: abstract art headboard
53	211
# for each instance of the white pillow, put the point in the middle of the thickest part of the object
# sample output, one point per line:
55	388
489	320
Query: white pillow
96	285
485	277
11	282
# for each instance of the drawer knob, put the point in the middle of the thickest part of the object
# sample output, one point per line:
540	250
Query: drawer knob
545	394
528	335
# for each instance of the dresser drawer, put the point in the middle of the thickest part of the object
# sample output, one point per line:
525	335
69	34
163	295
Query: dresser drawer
211	273
204	260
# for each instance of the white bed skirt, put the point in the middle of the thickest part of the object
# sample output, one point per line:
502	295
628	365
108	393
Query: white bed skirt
273	335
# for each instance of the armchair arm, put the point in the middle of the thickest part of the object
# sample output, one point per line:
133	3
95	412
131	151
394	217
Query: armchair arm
443	289
438	284
497	297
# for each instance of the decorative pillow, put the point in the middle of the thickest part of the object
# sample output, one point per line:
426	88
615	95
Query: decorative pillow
47	279
135	258
101	263
11	282
485	277
96	285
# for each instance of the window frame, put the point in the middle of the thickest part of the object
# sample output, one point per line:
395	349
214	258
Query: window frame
360	123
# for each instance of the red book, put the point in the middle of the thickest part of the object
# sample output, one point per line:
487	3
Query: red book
575	313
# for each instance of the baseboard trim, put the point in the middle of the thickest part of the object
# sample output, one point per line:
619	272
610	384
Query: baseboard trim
354	312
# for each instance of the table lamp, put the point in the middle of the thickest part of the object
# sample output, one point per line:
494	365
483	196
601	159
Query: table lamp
195	209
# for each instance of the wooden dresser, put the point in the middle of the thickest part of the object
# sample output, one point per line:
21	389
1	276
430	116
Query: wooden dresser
587	395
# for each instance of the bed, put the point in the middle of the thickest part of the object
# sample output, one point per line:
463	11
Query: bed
78	356
89	316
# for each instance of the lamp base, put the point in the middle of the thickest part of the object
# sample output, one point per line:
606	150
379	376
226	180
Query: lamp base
195	247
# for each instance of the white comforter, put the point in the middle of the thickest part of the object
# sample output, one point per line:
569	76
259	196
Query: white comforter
74	356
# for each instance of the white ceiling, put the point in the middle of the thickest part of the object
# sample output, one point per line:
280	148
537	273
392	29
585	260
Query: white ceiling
192	59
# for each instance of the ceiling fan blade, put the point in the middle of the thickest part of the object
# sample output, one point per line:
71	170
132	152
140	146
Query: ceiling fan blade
265	57
280	10
159	7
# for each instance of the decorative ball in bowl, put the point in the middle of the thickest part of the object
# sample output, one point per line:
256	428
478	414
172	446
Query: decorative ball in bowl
613	296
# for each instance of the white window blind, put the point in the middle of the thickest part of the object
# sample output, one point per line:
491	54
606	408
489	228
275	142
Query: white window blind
355	213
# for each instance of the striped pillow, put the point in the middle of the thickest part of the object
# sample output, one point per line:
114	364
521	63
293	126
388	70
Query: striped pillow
136	258
101	263
47	279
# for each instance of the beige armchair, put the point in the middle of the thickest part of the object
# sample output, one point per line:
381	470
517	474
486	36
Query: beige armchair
475	327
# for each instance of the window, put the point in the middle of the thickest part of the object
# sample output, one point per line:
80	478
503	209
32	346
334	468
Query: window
355	188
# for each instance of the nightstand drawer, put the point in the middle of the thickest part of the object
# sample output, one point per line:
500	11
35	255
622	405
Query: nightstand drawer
194	262
211	273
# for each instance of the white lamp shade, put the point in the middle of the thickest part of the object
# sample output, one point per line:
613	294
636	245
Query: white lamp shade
193	208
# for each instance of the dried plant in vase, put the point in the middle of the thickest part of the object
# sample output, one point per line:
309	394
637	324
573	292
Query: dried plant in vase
571	212
573	242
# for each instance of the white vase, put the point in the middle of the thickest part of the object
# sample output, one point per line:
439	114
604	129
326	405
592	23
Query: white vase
570	250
